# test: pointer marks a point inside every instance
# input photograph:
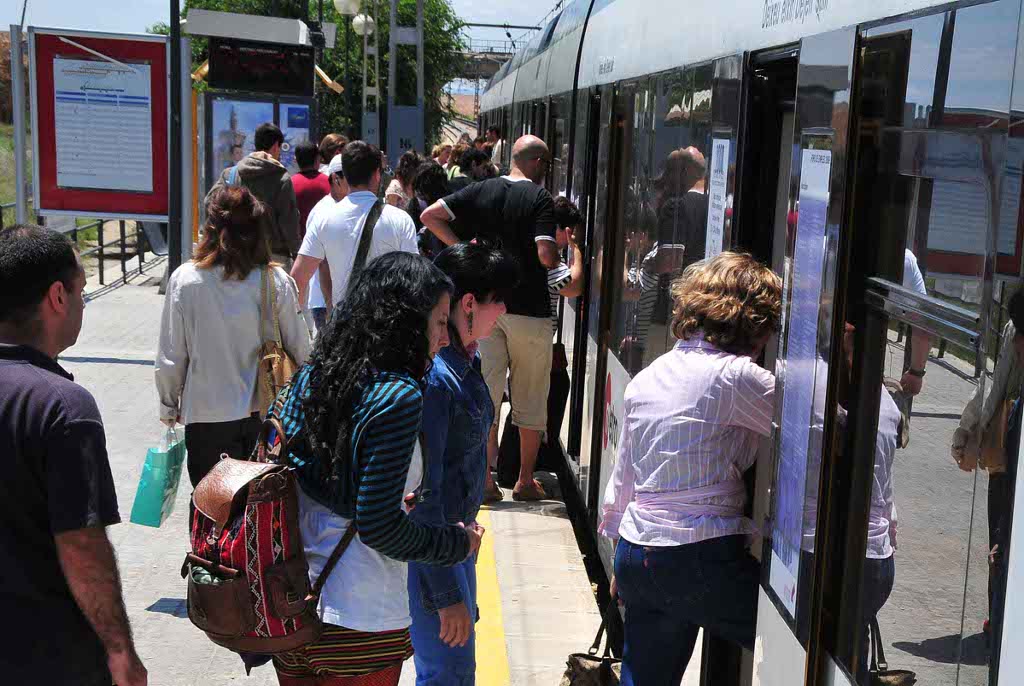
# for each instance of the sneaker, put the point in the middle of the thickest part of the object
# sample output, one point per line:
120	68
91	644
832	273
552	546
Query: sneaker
531	492
494	494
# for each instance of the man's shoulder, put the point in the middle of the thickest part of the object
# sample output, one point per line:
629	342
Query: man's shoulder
397	219
47	391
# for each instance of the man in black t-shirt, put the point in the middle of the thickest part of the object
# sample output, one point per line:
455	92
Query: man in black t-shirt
516	213
61	592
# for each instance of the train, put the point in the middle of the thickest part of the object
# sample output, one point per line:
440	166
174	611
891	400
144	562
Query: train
842	141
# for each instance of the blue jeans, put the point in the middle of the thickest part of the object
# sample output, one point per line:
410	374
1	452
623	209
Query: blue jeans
669	593
319	317
437	664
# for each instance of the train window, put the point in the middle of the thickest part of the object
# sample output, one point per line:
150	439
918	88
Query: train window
666	212
931	188
559	143
572	18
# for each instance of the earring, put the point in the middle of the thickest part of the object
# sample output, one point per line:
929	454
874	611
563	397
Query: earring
469	317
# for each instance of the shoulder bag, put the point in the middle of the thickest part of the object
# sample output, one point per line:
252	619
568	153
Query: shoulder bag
587	669
879	673
276	366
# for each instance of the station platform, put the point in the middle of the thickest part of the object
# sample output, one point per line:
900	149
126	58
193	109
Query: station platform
535	598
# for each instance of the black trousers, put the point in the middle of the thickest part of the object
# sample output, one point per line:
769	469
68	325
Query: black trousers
206	442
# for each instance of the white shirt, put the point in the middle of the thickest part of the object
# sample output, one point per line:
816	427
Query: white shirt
336	239
691	426
912	277
496	152
210	336
316	217
558	278
366	591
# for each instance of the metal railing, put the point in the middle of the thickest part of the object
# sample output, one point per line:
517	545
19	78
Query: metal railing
121	241
5	206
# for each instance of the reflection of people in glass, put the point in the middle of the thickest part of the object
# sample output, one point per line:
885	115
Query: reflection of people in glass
1000	518
979	440
681	207
879	555
692	424
236	153
920	342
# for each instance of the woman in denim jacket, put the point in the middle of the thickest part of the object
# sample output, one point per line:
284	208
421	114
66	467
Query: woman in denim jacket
457	414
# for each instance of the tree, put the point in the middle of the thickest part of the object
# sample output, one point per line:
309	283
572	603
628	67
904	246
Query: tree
442	50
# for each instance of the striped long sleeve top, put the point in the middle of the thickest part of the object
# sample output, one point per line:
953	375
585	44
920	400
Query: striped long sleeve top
386	426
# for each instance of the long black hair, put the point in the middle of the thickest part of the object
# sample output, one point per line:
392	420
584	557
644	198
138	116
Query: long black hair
380	326
486	272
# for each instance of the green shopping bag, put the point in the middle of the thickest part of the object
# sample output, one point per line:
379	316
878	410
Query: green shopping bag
158	485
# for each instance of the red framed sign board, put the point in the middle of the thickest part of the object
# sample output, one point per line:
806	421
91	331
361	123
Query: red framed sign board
99	124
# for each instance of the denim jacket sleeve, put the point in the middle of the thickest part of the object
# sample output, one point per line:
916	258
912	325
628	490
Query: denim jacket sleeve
441	584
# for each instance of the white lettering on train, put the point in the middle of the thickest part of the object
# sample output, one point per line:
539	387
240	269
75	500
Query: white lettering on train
778	12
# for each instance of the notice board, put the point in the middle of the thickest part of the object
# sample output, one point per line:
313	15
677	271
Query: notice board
99	124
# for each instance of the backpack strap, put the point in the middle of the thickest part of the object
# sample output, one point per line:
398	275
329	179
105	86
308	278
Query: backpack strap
365	238
318	586
232	179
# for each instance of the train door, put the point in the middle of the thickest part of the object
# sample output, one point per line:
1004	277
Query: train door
575	315
886	535
613	164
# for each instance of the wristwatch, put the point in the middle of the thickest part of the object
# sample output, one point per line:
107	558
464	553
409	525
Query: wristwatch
919	373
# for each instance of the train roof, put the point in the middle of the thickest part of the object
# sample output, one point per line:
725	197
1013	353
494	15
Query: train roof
630	38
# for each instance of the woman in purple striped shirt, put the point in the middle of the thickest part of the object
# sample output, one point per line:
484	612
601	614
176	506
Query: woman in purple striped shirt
691	427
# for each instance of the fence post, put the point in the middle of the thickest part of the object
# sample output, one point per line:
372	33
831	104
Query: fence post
124	270
99	234
139	252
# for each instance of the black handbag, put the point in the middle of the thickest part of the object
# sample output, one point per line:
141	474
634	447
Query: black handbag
587	669
879	673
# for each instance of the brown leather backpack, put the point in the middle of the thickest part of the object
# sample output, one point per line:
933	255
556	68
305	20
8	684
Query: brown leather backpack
248	579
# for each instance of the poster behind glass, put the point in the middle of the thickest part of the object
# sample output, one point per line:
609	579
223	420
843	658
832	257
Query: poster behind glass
234	125
294	123
800	379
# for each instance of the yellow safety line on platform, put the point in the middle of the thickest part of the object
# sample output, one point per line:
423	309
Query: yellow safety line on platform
491	657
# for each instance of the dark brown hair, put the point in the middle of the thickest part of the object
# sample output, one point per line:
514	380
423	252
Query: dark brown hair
330	146
734	299
235	233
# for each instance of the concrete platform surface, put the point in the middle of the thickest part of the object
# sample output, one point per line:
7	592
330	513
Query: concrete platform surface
535	597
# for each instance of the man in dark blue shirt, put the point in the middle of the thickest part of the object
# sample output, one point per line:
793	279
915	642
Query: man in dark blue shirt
61	590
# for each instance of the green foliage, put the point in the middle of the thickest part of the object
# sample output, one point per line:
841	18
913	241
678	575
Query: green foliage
442	51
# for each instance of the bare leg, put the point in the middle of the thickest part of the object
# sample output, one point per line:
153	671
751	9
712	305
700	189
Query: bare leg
529	446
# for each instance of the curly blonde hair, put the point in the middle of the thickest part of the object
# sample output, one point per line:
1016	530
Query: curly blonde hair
734	299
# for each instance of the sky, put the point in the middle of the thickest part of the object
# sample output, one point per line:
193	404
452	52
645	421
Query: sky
134	16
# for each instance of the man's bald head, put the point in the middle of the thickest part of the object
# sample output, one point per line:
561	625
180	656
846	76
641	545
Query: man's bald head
531	157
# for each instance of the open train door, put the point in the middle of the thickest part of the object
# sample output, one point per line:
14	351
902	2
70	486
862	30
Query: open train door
814	195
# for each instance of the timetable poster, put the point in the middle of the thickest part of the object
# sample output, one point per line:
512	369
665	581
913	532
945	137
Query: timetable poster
719	189
799	378
103	115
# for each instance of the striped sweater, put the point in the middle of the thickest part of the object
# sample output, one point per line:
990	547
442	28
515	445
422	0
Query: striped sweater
386	425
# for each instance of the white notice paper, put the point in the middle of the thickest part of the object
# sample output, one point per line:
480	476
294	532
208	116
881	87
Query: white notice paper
718	198
799	381
104	125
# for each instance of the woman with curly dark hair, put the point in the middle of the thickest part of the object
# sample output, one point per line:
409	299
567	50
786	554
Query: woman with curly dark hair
400	189
355	414
691	425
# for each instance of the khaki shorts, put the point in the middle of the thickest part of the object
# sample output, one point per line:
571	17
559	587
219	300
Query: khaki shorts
520	345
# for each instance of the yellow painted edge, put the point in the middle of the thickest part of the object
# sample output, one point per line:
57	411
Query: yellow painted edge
491	656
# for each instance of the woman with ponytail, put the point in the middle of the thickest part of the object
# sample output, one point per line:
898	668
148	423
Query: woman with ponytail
354	416
458	414
211	332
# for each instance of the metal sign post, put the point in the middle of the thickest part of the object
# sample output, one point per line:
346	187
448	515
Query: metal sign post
405	123
18	102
